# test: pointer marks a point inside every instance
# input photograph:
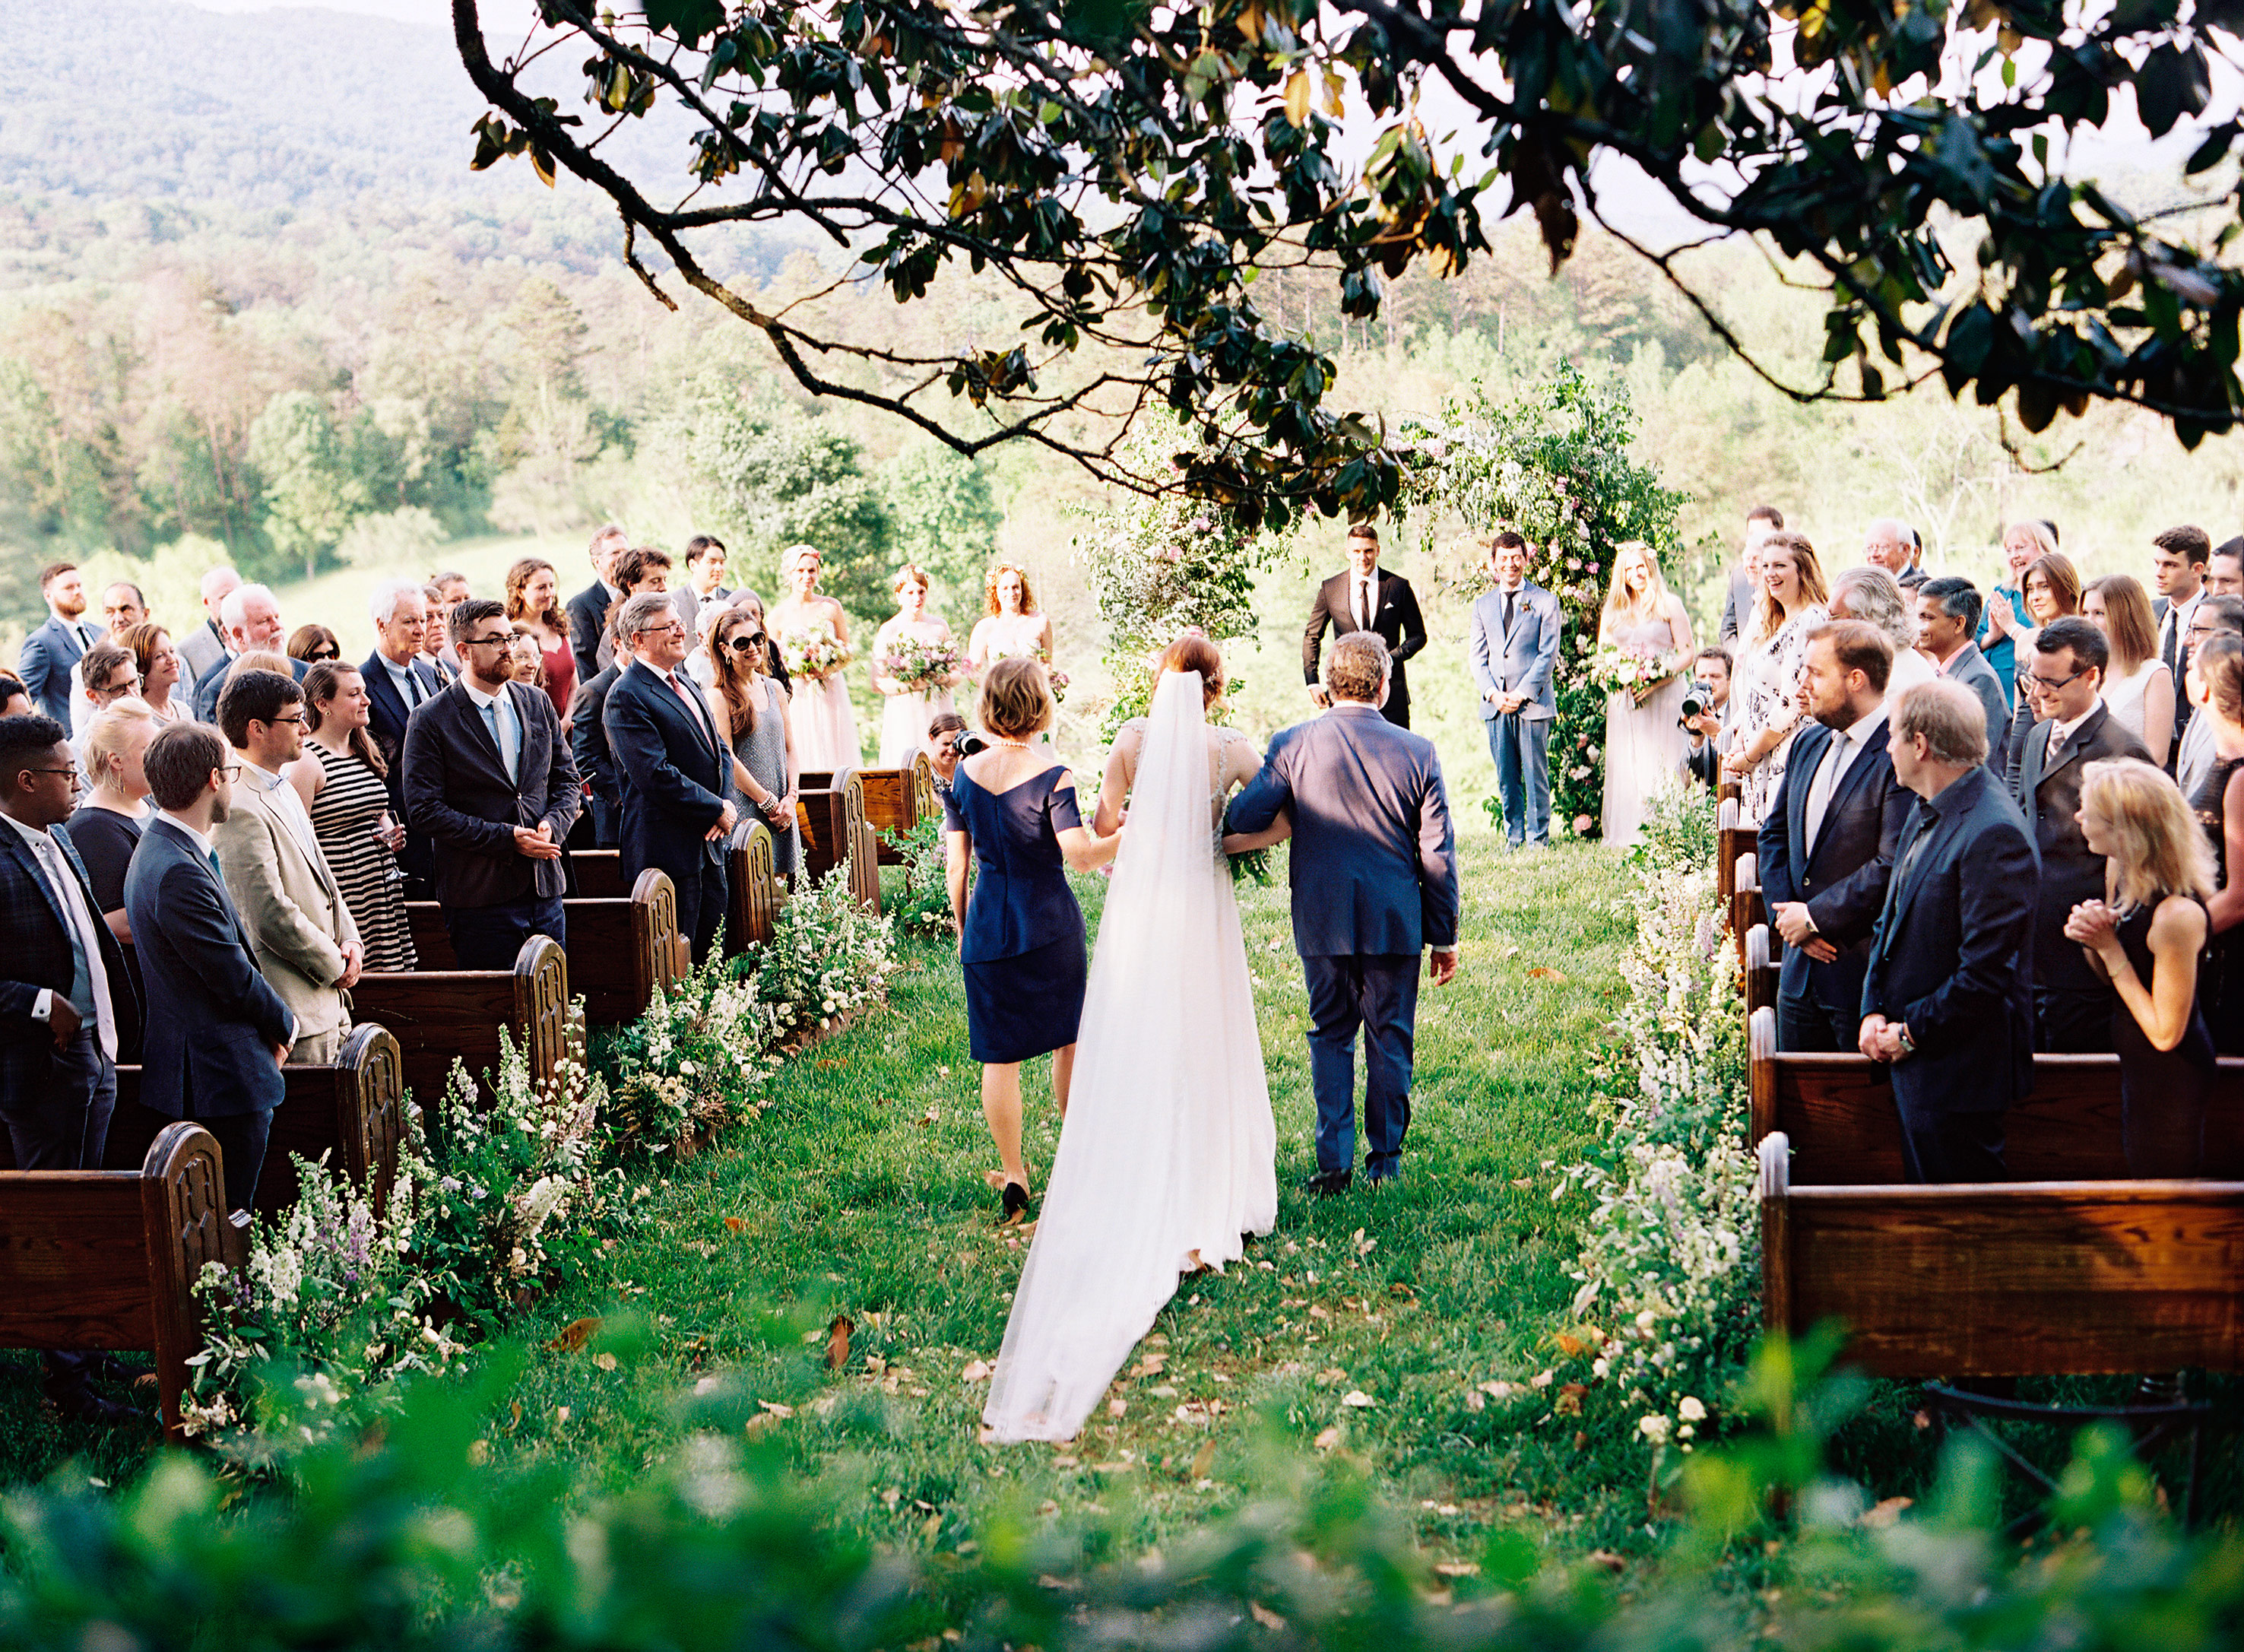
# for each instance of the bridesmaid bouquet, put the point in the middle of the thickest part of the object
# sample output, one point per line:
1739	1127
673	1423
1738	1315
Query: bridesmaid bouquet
813	652
1627	669
1052	674
922	664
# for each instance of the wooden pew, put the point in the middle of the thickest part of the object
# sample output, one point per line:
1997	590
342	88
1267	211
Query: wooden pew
108	1258
2016	1279
1837	1112
753	893
1760	971
836	833
600	874
618	950
896	800
354	1112
1731	840
440	1015
1747	907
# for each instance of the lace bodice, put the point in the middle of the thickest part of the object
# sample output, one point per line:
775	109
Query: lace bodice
1231	761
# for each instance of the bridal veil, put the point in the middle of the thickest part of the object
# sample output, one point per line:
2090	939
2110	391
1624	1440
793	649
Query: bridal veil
1168	1148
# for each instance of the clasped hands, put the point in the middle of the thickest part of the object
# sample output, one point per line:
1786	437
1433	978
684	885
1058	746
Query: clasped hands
1506	701
1881	1039
1796	929
2095	926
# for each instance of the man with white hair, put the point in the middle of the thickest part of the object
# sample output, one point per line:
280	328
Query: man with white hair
399	681
203	650
250	618
1888	543
1872	596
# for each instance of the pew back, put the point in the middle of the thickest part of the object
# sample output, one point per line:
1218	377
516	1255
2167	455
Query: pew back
836	833
617	951
1760	971
442	1015
753	892
2017	1279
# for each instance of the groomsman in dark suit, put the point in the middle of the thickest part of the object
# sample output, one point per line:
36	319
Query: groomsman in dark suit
64	981
43	663
588	744
216	1032
2072	1002
489	781
1365	597
204	649
676	813
1828	843
588	609
399	681
1948	997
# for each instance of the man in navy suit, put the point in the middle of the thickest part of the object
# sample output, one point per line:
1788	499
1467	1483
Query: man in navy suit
489	781
215	1033
1514	648
1374	870
588	609
1947	998
1365	597
676	813
399	681
588	744
1827	846
66	981
45	661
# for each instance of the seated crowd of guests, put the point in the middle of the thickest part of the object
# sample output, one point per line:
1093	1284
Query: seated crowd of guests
2024	847
212	838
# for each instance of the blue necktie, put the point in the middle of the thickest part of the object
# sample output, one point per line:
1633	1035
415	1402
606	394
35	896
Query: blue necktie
506	758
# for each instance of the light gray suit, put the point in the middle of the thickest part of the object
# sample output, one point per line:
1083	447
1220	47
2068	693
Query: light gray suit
201	652
1522	658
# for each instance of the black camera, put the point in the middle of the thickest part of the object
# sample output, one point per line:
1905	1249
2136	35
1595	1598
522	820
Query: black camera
968	743
1698	701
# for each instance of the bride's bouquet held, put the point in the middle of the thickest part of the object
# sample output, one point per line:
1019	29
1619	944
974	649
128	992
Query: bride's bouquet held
813	652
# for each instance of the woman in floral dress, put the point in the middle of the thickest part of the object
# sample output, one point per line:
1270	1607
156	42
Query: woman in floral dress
1765	699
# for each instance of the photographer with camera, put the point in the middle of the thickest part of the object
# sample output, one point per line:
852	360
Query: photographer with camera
1706	701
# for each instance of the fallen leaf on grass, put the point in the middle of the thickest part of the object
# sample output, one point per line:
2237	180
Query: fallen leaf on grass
604	1360
1151	1365
1327	1378
1474	1402
574	1335
931	1116
1886	1511
1608	1559
776	1409
1329	1438
1543	1379
1265	1616
1356	1399
1118	1408
827	1061
1457	1569
1204	1459
1545	973
1569	1403
1574	1347
977	1373
736	1224
1500	1390
837	1342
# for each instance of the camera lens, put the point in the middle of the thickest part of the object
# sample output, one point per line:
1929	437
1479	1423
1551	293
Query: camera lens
966	744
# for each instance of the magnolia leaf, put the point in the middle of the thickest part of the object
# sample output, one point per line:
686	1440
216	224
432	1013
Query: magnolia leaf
574	1335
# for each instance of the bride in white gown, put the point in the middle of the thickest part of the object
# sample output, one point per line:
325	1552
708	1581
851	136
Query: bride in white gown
1167	1161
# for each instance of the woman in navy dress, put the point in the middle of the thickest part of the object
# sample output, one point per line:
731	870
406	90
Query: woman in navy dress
1021	939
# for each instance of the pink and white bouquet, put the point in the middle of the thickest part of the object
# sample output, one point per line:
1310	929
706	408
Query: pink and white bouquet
1627	669
1053	674
921	664
813	652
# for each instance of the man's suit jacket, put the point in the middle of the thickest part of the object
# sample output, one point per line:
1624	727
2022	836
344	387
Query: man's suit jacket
1374	863
1523	658
1970	667
201	651
207	689
588	618
2183	709
1913	577
588	744
1952	956
2049	795
1737	611
458	796
288	905
1842	876
673	779
44	663
35	950
1398	623
387	716
212	1020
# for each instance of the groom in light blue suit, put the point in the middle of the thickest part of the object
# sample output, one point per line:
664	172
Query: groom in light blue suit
1515	654
1373	877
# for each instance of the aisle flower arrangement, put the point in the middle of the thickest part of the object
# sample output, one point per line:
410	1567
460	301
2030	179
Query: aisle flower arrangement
512	1188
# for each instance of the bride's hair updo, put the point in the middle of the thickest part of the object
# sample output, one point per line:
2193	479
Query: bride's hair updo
1193	652
1016	698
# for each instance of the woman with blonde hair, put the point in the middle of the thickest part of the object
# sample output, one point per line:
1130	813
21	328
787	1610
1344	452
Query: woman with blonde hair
2146	936
533	603
909	706
751	715
2025	542
1764	692
105	827
825	726
1645	736
2139	687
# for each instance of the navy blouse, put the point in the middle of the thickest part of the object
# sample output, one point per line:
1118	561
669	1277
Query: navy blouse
1021	900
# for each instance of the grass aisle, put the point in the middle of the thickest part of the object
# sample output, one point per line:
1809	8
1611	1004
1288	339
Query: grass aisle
860	1192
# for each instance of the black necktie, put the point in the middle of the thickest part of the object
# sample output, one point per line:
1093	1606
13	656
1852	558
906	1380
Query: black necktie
1509	597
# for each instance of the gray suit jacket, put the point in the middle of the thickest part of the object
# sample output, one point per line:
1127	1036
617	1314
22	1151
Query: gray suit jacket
201	651
1971	669
1523	658
1374	863
290	909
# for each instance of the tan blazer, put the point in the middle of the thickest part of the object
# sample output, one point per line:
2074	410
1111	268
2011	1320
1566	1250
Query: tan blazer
295	914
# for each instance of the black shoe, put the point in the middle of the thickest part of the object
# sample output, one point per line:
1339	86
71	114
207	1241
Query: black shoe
83	1405
1016	1204
1327	1183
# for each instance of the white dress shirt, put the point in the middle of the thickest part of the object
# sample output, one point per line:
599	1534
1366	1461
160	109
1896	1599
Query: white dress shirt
1846	746
64	885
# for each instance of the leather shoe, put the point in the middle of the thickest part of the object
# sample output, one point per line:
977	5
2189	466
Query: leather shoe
1326	1183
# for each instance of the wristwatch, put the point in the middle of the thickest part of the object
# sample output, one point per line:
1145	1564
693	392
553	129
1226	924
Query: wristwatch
1908	1043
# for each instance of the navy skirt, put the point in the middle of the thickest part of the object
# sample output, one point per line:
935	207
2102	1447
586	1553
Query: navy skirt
1028	1004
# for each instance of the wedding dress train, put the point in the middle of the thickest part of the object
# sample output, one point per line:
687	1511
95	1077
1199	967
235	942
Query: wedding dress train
1167	1158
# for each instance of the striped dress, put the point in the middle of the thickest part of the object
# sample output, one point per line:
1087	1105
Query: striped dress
343	819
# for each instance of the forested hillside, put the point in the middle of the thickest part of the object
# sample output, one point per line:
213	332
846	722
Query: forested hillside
250	294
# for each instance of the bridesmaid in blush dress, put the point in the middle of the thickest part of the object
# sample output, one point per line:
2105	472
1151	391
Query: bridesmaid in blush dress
1021	936
825	726
908	708
1645	737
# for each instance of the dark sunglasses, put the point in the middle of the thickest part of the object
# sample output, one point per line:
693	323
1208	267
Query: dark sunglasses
741	644
318	654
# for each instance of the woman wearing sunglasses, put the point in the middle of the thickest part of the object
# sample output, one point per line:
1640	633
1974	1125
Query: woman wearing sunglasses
752	718
313	643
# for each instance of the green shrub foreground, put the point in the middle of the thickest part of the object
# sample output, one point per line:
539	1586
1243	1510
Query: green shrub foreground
404	1538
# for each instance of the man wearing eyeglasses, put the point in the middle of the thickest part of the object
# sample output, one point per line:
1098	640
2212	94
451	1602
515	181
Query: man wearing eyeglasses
57	1016
2072	1004
490	782
676	815
300	931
